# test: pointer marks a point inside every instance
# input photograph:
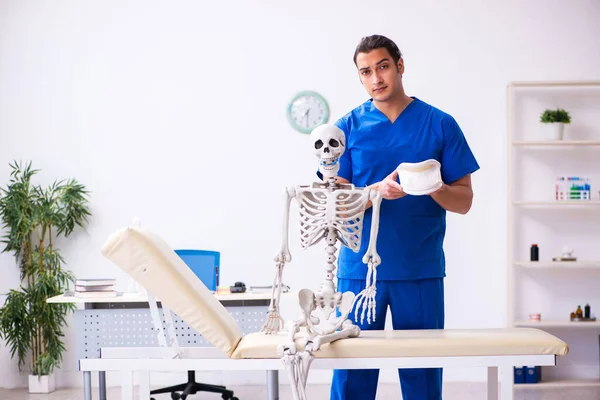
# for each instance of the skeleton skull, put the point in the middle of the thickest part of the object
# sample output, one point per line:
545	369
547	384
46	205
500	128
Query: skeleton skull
328	145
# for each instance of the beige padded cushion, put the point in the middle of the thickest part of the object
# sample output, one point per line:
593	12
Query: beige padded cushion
151	262
417	343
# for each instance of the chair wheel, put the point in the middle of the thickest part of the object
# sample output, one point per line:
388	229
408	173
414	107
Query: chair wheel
175	396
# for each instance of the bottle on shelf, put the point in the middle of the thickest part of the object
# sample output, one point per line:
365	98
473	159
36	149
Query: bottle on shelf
534	253
579	312
586	313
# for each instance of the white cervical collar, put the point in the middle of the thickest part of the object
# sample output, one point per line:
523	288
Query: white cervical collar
420	178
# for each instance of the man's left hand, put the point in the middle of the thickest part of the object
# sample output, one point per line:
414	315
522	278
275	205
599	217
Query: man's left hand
389	188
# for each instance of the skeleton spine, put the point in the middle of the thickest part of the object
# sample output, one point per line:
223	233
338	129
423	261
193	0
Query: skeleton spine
330	249
331	185
330	266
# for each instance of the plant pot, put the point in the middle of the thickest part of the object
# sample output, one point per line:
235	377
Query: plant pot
555	130
41	383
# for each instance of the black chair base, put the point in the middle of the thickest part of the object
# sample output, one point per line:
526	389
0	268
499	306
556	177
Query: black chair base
192	387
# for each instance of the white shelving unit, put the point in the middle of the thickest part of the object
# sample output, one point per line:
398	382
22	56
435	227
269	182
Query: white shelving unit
561	384
559	324
557	203
557	264
562	143
555	289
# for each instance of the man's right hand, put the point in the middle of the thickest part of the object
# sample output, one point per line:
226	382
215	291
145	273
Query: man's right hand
389	188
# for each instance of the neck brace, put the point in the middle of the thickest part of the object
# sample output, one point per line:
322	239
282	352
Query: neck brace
420	178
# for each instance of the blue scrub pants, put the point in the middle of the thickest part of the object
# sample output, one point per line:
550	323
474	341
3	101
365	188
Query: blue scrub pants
413	305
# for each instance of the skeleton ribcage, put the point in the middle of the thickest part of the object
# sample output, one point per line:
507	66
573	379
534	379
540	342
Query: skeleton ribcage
344	214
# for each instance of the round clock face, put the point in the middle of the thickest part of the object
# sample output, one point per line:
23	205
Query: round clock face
307	110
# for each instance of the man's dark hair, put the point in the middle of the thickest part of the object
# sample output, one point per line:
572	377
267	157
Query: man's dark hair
373	42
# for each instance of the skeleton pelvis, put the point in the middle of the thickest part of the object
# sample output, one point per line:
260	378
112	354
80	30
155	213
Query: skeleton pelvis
319	310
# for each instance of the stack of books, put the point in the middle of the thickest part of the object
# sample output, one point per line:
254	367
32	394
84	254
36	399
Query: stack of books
268	289
95	288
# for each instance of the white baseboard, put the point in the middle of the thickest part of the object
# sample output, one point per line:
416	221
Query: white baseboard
75	378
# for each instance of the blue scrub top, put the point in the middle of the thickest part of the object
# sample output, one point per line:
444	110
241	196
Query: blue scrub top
412	228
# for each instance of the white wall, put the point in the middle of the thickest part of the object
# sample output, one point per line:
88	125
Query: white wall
175	112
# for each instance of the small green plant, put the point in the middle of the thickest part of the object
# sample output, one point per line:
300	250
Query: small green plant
32	217
558	115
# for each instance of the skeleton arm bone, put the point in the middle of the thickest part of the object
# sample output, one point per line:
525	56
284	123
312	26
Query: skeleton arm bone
284	254
371	254
274	321
367	296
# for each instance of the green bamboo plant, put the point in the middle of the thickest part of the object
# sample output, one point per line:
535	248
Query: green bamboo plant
33	217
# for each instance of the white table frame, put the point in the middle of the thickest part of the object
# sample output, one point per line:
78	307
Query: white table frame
143	298
144	360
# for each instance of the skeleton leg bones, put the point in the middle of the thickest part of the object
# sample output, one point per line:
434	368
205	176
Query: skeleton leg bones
298	362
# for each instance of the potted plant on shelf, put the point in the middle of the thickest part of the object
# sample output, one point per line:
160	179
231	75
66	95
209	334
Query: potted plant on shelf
555	121
33	217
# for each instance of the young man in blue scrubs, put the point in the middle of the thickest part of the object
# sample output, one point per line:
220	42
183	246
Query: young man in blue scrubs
384	131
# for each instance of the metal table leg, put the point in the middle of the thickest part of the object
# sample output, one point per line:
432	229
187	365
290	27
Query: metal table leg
492	383
87	385
273	385
507	381
102	384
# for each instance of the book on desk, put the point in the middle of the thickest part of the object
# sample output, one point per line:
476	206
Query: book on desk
92	288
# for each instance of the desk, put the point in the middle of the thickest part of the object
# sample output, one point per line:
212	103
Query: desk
125	321
263	298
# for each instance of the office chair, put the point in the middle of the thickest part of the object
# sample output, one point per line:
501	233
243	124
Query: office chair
205	264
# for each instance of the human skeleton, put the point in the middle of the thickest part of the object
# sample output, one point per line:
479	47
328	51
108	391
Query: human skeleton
334	212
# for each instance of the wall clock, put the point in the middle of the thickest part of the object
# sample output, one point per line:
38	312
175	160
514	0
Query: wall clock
307	110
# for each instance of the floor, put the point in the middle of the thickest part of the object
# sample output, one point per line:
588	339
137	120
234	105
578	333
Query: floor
452	391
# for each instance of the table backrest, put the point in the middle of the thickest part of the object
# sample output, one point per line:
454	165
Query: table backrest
149	260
